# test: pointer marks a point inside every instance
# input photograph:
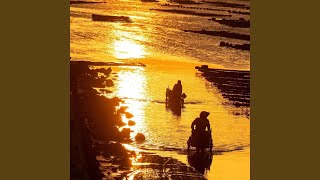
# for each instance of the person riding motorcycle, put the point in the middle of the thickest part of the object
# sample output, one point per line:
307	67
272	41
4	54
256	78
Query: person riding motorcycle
202	123
199	132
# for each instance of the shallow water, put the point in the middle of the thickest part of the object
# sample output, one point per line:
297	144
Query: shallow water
167	134
143	89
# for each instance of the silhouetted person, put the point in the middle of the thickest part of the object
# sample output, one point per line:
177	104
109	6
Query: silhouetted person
198	127
177	89
177	92
201	123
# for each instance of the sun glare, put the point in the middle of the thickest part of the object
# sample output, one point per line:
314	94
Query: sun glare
132	88
128	46
132	83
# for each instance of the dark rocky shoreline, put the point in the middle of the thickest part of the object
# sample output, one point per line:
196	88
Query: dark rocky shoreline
94	122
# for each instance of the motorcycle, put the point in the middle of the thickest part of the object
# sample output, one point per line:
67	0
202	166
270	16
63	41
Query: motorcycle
200	141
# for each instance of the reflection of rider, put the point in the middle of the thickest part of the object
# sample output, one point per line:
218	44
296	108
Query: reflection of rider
199	126
201	162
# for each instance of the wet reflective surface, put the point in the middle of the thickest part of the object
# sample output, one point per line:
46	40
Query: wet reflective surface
152	34
145	98
143	89
200	161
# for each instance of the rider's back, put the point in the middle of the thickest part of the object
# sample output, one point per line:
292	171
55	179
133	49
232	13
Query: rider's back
201	124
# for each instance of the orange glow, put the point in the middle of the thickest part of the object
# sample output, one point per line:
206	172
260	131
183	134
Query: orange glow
132	84
132	87
127	46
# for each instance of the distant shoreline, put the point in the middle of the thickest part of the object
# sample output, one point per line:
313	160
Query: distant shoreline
86	2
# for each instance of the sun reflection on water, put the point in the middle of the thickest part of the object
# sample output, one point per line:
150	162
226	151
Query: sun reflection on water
132	88
132	83
127	45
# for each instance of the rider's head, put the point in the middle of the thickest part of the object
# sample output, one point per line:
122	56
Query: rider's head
179	82
204	114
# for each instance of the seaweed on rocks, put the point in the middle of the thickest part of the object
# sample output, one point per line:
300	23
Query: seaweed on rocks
184	1
227	4
111	18
193	7
179	11
245	47
234	85
149	1
241	23
239	12
86	2
222	34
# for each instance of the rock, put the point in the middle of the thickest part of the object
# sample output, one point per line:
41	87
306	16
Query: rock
122	109
109	83
236	46
125	133
140	137
127	141
129	115
131	123
114	169
105	91
204	67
